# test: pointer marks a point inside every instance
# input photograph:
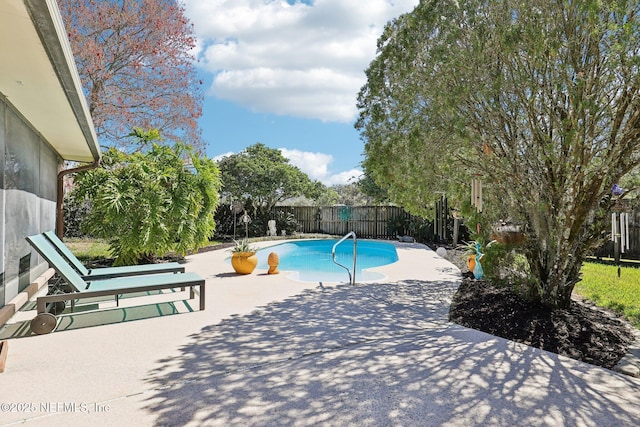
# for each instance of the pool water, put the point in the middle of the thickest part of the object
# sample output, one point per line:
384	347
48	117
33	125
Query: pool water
310	260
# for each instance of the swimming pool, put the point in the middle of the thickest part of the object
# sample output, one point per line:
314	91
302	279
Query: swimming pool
310	260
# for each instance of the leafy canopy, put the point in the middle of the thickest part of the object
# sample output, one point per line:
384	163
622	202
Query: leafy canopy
263	177
539	100
150	203
136	65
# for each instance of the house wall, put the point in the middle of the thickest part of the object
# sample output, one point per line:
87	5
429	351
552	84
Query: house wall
28	171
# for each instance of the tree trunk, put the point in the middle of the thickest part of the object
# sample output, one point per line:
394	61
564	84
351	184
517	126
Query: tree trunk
556	257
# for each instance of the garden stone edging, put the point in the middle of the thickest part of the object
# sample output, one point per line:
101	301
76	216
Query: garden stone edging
630	364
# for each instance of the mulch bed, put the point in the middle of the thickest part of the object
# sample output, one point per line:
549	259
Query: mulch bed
580	332
583	331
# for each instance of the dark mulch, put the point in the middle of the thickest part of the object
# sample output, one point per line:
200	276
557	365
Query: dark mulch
581	332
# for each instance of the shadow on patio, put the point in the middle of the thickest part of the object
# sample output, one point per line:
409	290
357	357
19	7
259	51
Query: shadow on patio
377	354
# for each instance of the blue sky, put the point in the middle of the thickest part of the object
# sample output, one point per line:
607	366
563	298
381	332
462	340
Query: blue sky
287	74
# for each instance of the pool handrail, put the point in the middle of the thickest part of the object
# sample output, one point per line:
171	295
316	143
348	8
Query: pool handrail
352	278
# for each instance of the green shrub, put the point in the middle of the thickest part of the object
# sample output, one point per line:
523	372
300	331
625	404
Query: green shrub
148	204
75	213
286	221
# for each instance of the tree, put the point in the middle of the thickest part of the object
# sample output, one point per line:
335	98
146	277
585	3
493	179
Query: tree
149	203
136	67
350	194
371	190
329	196
539	100
262	177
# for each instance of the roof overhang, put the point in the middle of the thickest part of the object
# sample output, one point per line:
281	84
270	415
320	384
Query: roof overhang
38	76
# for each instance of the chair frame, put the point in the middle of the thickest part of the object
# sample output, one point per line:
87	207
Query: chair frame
45	322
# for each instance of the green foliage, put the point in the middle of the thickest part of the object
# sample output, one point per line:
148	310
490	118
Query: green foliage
483	221
224	221
372	190
538	101
421	229
398	225
261	177
501	263
147	204
348	194
286	221
600	284
327	198
144	138
631	184
242	246
75	213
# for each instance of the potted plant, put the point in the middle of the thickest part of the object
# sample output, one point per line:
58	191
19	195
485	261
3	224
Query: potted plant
243	258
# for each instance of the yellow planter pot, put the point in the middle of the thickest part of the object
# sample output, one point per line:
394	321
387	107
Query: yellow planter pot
244	262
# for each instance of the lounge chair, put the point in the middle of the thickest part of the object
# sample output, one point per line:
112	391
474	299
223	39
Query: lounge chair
45	322
107	272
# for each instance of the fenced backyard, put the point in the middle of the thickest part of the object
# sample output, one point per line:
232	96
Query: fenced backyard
372	222
389	222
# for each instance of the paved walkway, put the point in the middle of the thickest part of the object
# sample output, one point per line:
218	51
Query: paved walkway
268	351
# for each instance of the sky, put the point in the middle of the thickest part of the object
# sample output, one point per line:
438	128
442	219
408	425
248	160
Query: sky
287	74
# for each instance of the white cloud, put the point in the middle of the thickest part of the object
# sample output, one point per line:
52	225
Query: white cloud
291	59
347	177
316	166
220	156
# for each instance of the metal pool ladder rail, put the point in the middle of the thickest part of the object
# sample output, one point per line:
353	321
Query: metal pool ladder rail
352	277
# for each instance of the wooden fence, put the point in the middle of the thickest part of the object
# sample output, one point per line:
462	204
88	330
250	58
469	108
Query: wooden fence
366	221
385	222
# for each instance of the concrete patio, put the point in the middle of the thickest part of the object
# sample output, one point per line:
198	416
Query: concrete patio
271	351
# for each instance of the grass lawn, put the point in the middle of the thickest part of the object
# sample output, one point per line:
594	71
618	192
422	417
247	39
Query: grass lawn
88	249
600	284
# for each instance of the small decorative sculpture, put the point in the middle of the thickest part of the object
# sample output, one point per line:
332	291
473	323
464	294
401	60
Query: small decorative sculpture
478	272
273	260
272	228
